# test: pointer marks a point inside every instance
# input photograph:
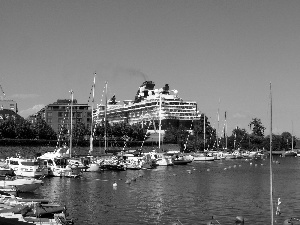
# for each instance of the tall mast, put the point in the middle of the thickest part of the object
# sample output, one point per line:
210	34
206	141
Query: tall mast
218	125
271	174
159	128
225	131
292	137
71	124
204	130
93	93
105	123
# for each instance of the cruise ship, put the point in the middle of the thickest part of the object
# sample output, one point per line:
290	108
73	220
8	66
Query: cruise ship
150	107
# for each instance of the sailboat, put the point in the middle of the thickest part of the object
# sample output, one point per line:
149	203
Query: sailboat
93	165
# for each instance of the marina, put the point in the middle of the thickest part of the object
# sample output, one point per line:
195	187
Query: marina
193	193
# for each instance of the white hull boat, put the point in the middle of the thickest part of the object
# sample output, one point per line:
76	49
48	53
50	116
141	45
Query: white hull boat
203	157
26	167
22	184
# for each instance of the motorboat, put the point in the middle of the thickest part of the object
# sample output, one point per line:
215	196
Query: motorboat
114	163
162	159
229	155
26	167
21	184
32	211
92	164
59	164
289	153
203	156
179	158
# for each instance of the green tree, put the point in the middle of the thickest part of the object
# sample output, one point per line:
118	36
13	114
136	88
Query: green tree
80	131
257	128
287	140
239	139
24	130
8	128
43	131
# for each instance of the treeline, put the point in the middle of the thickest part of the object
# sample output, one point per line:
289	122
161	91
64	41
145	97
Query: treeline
20	132
206	138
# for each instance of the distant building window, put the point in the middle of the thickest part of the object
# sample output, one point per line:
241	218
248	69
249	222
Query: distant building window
60	114
49	120
49	114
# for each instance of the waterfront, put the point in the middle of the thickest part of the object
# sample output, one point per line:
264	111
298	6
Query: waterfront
192	193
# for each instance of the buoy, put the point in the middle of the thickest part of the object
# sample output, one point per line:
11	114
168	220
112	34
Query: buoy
239	220
115	184
128	181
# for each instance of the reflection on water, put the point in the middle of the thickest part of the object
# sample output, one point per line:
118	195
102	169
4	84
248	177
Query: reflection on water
190	193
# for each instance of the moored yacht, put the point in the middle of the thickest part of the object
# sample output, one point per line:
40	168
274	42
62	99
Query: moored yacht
203	156
26	167
162	159
60	165
21	184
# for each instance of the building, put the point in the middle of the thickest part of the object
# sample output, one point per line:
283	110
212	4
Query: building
58	114
8	104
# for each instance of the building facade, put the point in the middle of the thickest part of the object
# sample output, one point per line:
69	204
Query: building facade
58	114
8	104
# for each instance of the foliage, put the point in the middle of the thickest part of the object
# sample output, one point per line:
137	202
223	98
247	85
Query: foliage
121	134
42	130
257	128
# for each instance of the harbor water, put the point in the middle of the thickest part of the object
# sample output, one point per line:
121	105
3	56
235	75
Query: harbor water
186	194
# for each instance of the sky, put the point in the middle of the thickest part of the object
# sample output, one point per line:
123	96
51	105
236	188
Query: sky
223	54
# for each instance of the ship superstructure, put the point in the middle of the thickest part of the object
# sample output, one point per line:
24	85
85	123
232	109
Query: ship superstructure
149	106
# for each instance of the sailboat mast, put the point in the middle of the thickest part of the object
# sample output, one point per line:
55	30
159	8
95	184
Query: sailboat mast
93	93
71	124
218	125
225	131
292	137
204	130
105	115
159	121
271	174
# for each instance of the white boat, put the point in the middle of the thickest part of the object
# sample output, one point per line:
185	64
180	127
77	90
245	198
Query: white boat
203	157
15	210
21	184
26	167
229	155
161	159
92	164
60	165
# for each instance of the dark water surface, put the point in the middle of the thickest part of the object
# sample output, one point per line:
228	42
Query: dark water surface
191	194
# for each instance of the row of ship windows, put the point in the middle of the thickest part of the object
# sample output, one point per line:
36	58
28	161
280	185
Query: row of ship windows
183	110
